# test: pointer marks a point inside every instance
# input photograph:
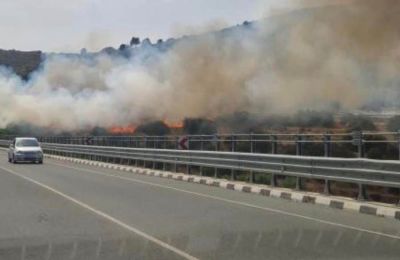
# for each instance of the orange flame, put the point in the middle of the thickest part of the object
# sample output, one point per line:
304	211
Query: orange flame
173	124
130	129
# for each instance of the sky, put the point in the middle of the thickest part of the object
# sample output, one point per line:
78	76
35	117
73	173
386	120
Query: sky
69	25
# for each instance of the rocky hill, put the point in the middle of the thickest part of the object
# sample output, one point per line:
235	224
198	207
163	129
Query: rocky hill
21	62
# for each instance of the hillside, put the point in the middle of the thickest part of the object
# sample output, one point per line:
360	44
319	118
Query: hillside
270	70
21	62
274	28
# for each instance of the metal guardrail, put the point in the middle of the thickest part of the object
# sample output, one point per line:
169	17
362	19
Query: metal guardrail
363	172
379	145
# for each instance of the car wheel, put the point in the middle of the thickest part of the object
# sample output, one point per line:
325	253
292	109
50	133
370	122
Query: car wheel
40	162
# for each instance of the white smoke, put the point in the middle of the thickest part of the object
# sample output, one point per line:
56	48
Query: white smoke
311	59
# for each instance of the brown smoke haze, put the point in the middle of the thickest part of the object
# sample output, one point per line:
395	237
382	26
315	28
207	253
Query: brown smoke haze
343	57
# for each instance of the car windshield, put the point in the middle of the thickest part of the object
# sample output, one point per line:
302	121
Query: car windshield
27	143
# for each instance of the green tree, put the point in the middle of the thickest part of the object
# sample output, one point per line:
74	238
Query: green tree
358	122
135	41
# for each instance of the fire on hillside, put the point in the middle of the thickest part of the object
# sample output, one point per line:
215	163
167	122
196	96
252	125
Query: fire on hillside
131	129
117	130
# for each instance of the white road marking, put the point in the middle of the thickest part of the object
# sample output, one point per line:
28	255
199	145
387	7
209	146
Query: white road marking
234	202
106	216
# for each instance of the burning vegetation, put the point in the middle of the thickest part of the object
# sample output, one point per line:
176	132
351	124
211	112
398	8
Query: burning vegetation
117	130
261	75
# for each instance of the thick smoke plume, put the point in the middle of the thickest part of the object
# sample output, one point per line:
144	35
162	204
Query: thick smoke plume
342	57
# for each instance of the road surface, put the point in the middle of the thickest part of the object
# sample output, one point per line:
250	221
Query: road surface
60	210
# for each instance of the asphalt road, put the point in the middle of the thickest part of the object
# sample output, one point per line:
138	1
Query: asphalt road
61	210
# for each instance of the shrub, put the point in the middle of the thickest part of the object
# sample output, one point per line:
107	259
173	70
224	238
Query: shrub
394	124
153	128
357	123
199	126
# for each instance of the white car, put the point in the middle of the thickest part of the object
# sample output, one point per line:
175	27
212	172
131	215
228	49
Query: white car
25	149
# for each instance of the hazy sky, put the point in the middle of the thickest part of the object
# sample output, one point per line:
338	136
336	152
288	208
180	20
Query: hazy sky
69	25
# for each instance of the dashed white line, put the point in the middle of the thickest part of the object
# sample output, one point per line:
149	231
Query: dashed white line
106	216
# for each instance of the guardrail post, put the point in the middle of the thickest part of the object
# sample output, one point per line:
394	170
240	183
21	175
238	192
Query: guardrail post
327	187
216	143
232	174
358	141
298	183
361	149
274	144
361	192
175	167
398	137
215	172
252	148
233	143
251	143
327	145
299	145
201	143
273	180
251	177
